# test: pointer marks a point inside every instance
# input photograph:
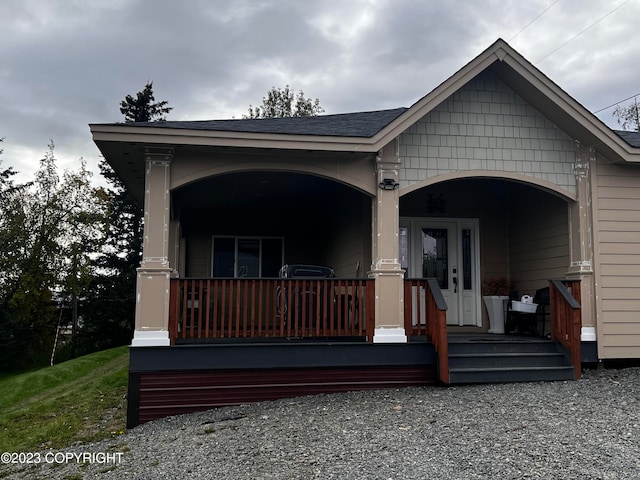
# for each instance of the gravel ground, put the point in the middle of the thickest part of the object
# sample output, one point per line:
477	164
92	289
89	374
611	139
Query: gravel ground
589	429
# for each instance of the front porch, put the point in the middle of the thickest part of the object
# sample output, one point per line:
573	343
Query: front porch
238	310
249	357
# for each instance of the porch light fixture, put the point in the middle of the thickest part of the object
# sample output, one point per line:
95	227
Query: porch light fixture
388	184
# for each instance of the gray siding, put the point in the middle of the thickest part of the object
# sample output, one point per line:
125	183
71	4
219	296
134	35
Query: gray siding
486	126
617	235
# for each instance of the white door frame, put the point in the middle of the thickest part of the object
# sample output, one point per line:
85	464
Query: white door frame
411	260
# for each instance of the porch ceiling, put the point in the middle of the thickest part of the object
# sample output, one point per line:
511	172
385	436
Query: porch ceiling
257	187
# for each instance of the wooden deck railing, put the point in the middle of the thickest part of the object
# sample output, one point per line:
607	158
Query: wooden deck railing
425	313
564	299
216	308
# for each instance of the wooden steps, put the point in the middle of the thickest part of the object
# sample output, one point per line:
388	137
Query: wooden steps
504	359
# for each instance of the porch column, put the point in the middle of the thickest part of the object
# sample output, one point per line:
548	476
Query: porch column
581	239
152	290
385	268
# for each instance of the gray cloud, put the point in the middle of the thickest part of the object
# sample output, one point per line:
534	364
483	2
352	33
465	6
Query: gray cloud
65	64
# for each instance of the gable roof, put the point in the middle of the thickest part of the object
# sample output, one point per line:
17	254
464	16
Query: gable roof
371	131
534	87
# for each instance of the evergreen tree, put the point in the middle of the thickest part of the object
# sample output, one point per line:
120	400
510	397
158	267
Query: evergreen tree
142	108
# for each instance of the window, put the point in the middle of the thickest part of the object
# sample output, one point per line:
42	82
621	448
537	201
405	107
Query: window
435	256
247	256
467	245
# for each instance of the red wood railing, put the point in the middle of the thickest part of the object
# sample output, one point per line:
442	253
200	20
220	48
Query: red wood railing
215	308
425	313
564	301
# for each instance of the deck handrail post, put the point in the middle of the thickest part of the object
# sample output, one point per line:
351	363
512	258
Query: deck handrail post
566	318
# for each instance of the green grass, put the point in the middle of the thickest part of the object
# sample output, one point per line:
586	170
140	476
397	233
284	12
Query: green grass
80	400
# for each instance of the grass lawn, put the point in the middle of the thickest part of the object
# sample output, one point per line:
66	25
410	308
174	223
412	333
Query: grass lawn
76	401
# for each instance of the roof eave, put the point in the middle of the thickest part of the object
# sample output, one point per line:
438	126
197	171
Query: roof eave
175	136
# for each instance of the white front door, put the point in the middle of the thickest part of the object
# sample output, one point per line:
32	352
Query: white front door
448	251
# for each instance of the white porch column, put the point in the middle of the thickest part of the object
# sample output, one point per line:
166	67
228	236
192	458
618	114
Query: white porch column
581	239
386	270
152	290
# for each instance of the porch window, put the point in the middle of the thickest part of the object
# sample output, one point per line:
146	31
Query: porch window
247	256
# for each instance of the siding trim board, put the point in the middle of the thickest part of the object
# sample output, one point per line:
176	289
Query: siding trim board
277	355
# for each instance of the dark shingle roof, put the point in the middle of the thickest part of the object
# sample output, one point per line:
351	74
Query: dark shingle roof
360	124
632	138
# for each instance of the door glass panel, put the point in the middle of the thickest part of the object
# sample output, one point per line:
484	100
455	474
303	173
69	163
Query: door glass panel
434	255
248	257
466	259
224	250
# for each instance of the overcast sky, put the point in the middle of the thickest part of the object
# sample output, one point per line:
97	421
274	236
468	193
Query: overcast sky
67	63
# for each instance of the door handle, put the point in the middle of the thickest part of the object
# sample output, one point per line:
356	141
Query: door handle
454	278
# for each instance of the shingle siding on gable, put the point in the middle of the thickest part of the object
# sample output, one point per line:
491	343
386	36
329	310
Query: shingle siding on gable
486	126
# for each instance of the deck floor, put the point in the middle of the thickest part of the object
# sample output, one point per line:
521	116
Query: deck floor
491	337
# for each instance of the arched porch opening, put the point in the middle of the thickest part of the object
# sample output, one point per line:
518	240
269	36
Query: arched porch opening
310	219
233	234
468	231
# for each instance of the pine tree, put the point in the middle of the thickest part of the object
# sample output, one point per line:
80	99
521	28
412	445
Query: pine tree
142	108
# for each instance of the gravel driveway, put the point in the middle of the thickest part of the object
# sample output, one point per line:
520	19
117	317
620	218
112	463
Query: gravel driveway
589	429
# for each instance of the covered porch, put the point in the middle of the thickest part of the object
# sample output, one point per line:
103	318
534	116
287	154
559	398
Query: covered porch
236	230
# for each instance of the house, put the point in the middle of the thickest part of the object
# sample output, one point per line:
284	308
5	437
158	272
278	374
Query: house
496	173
